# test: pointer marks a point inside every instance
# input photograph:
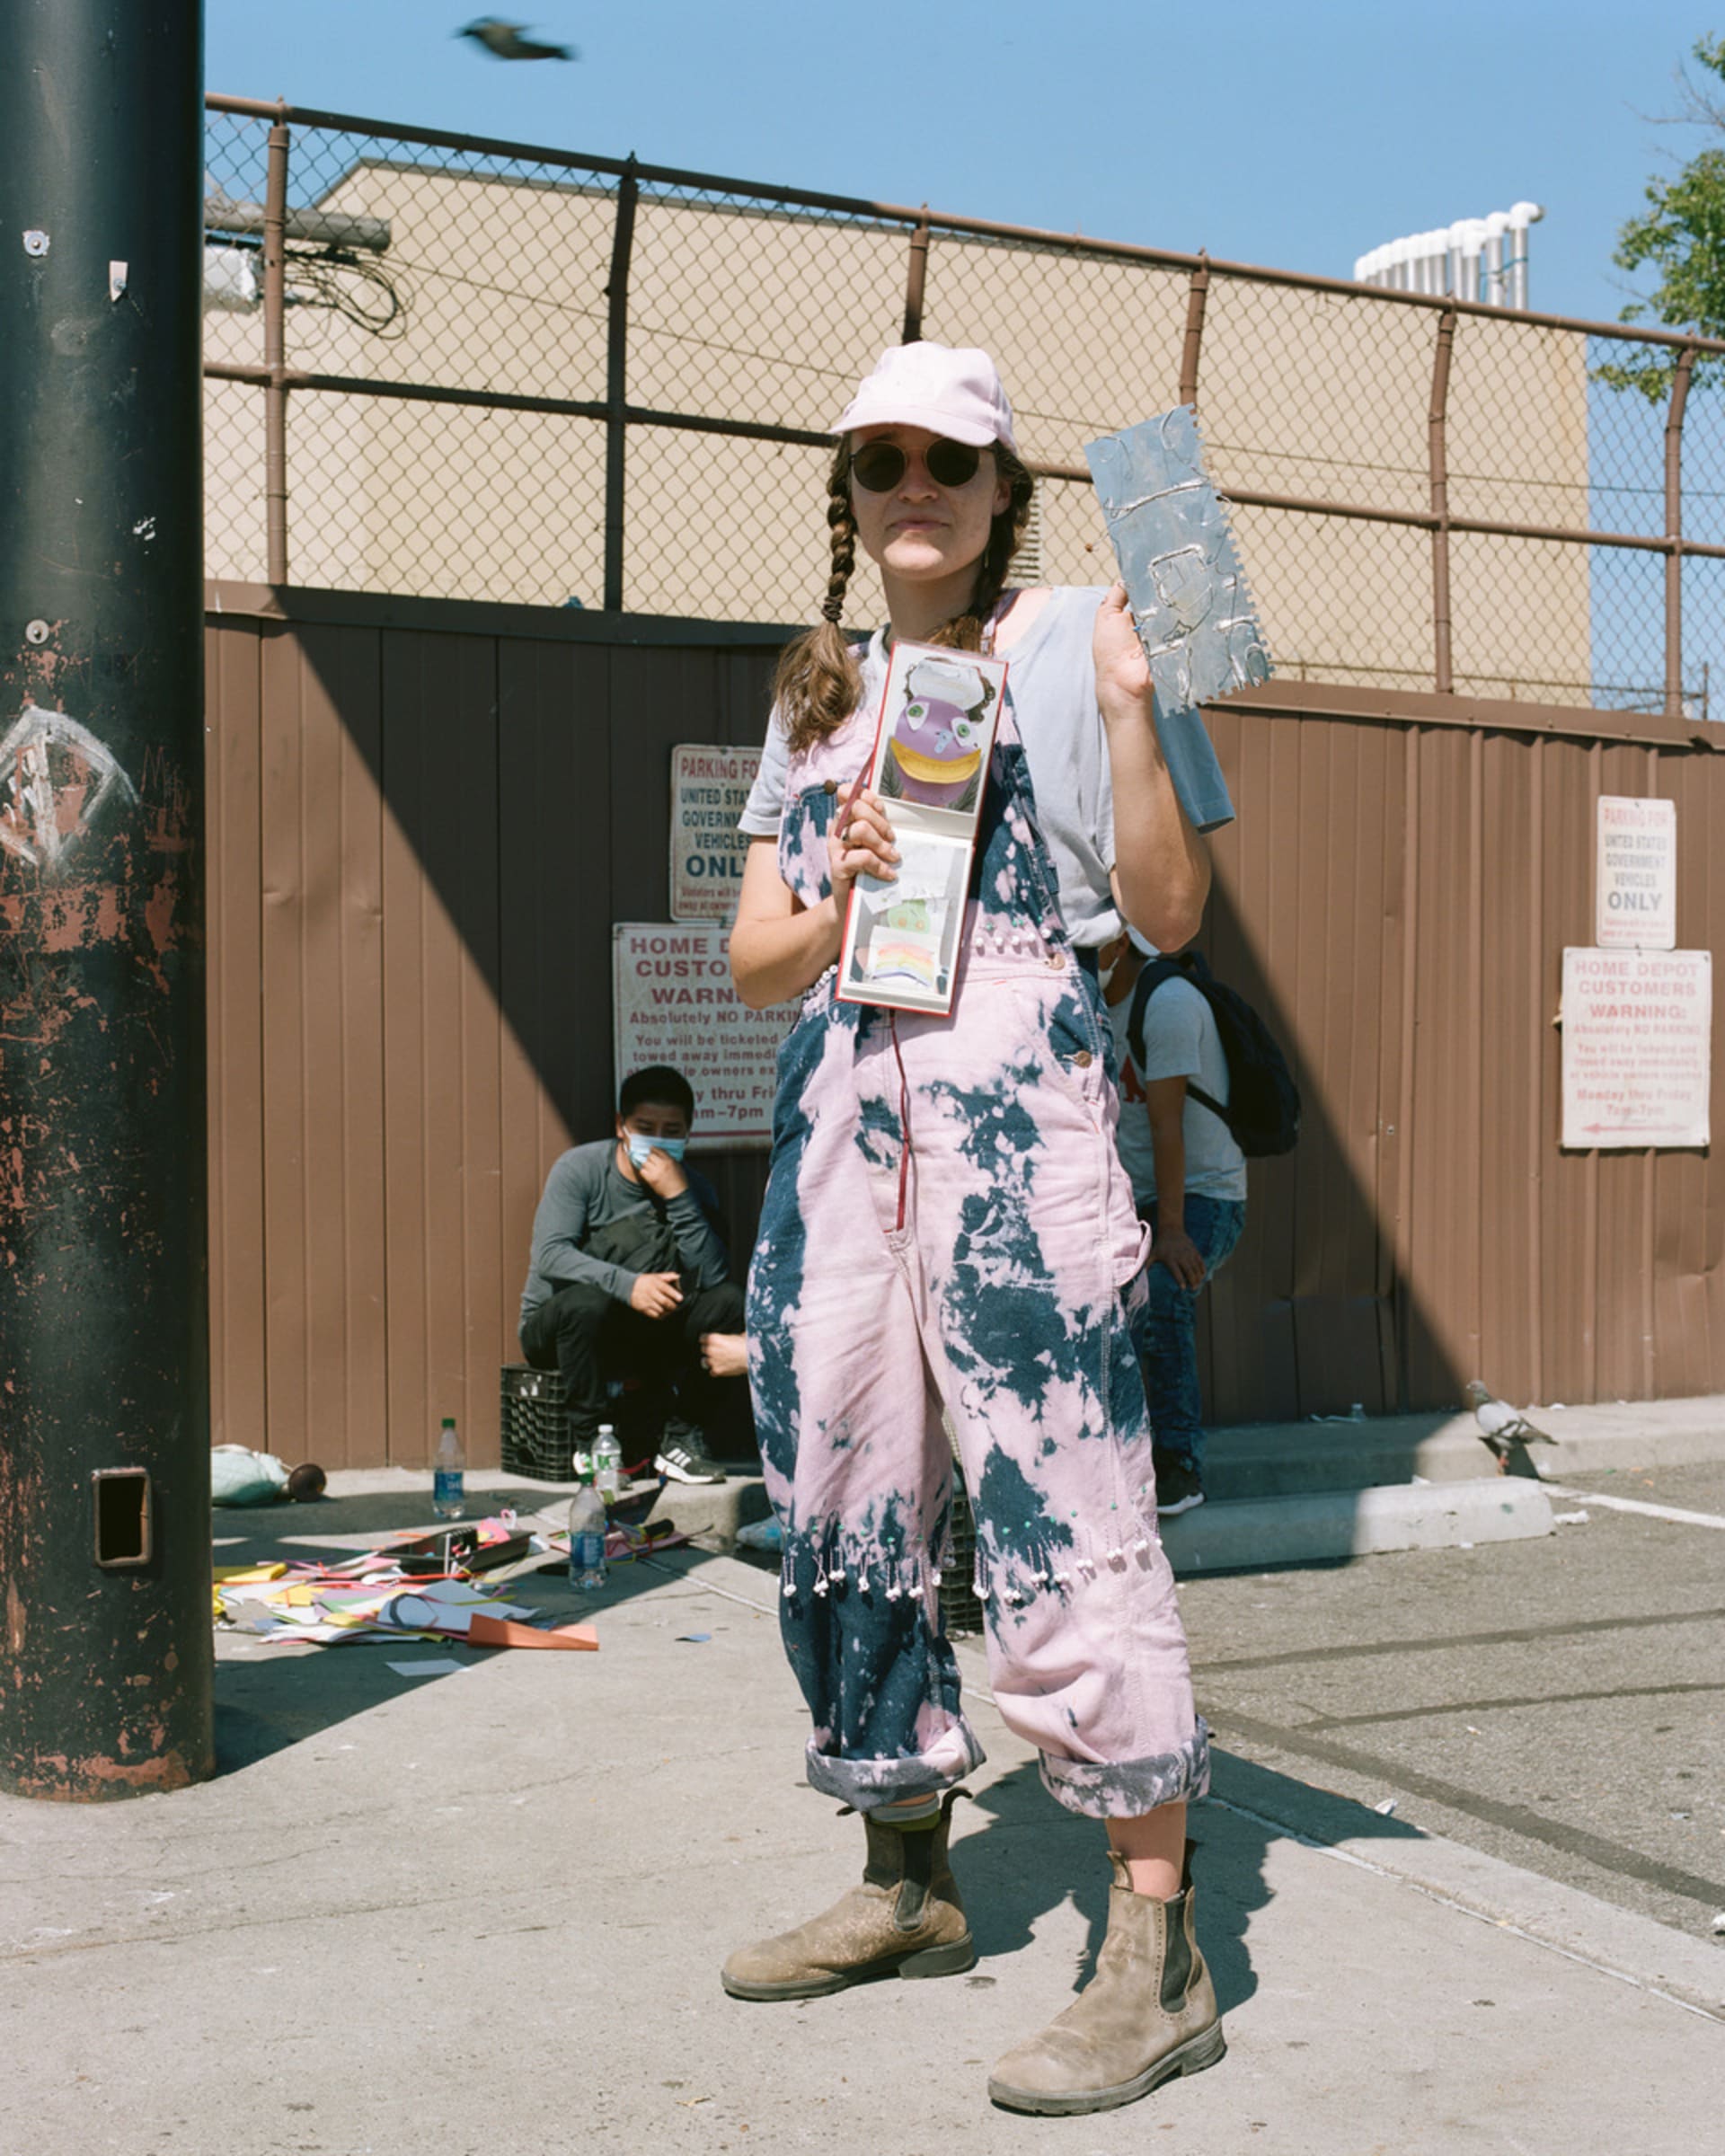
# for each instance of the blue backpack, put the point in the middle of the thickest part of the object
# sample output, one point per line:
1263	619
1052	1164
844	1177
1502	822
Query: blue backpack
1263	1107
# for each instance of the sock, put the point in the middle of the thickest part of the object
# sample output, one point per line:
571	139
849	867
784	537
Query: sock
913	1814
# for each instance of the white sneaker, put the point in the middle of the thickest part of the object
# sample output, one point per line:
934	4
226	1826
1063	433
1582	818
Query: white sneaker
1178	1488
679	1460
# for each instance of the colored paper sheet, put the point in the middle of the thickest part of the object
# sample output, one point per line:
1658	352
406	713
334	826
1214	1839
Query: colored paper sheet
499	1631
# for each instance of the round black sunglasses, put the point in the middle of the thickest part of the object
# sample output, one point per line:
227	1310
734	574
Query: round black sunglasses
879	465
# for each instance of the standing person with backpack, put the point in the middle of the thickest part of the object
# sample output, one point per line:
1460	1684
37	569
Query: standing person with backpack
1202	1085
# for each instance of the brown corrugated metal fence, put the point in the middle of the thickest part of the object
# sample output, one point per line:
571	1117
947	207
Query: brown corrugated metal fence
426	815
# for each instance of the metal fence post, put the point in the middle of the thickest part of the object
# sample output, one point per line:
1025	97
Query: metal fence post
274	357
616	384
1438	451
916	284
1197	292
1674	533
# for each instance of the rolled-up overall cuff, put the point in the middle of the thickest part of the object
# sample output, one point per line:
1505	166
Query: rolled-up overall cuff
866	1784
1128	1789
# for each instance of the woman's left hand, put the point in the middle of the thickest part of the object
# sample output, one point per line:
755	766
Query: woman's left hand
1122	671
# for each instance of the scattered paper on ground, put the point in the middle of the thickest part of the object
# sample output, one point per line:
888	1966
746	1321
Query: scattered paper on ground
367	1597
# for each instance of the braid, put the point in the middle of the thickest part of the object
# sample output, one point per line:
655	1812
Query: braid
818	682
843	526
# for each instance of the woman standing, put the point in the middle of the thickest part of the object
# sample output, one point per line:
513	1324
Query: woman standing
946	1224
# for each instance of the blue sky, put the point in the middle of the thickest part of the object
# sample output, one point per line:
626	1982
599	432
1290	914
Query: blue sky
1294	136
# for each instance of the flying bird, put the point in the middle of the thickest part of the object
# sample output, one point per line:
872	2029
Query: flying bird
1505	1432
506	41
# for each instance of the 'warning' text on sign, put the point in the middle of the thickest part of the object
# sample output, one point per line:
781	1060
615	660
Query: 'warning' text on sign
672	1001
1637	1047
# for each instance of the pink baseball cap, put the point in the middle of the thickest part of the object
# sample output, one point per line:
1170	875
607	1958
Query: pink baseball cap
952	390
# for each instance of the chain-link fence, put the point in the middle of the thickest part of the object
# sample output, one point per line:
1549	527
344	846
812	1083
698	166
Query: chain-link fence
473	369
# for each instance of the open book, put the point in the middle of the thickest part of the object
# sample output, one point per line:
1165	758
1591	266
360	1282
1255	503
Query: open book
930	762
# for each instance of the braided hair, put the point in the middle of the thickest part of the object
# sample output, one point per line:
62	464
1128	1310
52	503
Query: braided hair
818	682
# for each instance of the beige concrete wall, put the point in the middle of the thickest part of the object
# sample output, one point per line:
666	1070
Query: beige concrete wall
739	314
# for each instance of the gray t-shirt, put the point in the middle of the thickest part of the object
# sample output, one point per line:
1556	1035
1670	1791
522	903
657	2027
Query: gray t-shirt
584	1191
1179	1041
1051	682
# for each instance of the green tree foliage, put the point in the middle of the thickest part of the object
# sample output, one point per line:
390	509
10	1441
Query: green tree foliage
1681	238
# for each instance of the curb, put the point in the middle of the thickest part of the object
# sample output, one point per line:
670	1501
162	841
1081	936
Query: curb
1282	1459
1243	1534
1322	1525
710	1512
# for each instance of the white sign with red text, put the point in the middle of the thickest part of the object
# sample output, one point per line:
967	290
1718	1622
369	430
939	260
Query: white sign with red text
1635	886
1637	1047
709	790
672	1001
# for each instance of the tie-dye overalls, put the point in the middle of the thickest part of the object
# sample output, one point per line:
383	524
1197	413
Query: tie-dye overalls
946	1221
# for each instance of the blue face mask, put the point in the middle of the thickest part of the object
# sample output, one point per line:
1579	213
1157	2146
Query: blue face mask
640	1147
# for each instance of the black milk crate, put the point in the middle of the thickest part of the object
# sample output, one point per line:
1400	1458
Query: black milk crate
536	1439
961	1611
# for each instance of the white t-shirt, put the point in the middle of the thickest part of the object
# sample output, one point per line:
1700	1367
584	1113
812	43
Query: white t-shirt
1181	1040
1051	682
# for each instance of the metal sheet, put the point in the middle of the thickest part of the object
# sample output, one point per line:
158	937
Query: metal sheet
1170	532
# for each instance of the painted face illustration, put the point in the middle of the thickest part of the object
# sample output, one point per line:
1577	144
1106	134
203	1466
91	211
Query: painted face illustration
936	744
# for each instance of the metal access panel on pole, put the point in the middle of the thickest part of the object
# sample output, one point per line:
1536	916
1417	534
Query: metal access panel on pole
105	1644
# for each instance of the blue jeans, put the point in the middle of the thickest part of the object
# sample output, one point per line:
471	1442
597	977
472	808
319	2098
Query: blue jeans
1164	1328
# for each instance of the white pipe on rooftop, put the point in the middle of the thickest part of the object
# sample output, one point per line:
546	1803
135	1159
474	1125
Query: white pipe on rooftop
1452	257
1473	259
1522	214
1473	241
1496	280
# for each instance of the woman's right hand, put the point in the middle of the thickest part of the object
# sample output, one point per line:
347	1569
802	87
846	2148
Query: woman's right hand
860	843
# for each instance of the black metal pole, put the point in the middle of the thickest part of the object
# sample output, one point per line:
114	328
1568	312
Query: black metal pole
105	1651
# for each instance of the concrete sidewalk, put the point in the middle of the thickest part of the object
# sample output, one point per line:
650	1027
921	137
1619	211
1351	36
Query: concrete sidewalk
482	1911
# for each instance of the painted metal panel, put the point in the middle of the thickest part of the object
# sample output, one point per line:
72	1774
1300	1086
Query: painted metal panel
233	844
322	1220
422	828
441	1121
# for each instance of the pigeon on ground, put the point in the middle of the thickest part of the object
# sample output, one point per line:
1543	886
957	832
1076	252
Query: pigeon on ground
1505	1432
505	41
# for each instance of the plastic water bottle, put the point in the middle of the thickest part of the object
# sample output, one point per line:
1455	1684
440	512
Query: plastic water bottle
608	1464
448	1500
587	1526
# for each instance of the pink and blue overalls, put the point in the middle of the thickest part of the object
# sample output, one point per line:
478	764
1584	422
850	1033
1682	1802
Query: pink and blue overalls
947	1222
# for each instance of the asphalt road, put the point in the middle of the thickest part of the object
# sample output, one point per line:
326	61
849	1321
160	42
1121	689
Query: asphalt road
1557	1704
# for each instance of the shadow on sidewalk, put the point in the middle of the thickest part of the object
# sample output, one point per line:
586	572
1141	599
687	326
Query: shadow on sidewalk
1032	1856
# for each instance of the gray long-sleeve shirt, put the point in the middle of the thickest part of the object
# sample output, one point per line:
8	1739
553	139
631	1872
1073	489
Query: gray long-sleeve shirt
584	1192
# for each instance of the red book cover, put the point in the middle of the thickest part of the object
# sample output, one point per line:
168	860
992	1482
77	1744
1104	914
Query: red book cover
933	742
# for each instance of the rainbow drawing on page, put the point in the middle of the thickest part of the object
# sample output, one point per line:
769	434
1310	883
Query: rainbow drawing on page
907	930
